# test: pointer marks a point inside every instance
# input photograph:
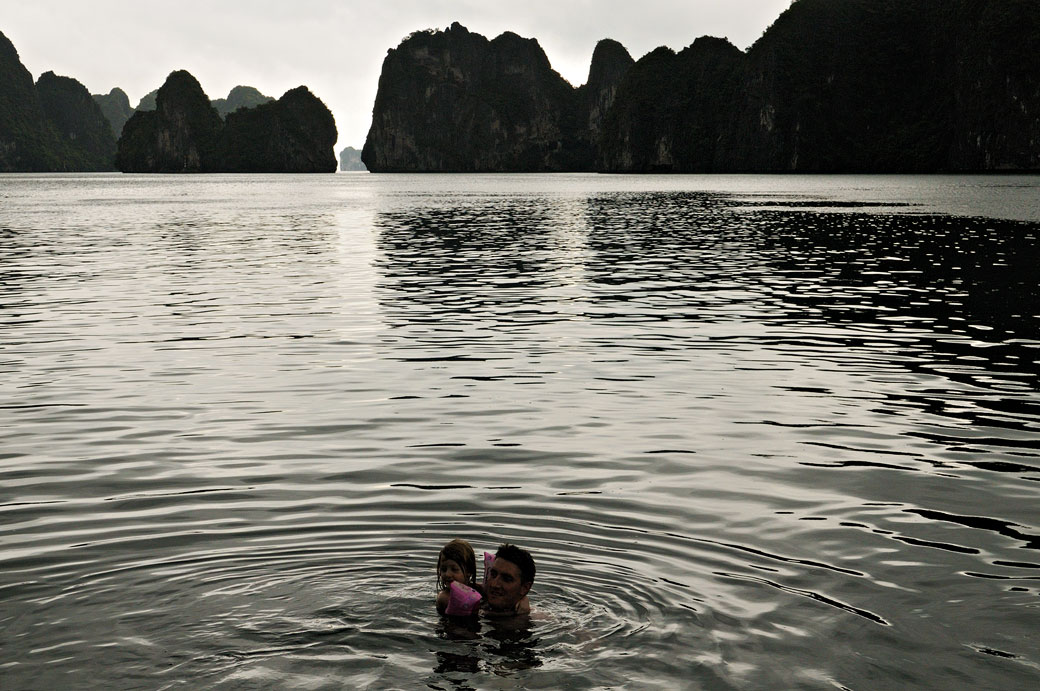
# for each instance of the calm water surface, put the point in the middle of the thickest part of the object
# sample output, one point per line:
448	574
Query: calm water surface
757	431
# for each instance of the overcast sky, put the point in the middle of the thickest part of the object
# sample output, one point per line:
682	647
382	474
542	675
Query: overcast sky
336	48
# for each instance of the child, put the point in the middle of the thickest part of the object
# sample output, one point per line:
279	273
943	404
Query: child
455	563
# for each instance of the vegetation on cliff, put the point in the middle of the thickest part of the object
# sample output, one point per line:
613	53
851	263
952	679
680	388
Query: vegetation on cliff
185	134
454	101
84	134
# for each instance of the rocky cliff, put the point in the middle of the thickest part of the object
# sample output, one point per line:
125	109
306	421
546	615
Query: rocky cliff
116	107
671	109
185	134
850	86
295	134
454	101
610	63
179	136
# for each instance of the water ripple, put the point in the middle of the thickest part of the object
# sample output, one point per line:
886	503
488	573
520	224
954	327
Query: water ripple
757	431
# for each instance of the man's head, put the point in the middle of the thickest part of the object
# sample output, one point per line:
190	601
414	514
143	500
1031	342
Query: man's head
510	577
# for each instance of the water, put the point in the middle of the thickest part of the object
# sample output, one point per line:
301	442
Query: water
757	431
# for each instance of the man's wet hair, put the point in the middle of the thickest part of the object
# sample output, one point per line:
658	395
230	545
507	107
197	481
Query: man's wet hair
521	557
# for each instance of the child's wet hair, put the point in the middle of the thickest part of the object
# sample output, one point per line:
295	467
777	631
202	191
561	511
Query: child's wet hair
460	552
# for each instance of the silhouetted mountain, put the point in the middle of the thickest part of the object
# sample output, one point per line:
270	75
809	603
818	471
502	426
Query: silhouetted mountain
855	85
350	159
240	97
179	136
52	125
454	101
81	126
185	134
116	107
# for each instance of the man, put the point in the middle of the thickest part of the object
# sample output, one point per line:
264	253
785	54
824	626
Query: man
508	580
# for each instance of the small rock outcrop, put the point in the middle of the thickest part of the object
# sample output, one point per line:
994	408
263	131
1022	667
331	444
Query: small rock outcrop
185	134
350	160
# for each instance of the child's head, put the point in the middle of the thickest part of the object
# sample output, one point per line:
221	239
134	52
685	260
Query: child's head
456	562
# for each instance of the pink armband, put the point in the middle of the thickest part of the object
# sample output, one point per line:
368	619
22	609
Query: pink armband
489	559
463	601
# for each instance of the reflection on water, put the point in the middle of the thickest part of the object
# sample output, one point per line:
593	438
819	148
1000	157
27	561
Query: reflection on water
496	646
757	431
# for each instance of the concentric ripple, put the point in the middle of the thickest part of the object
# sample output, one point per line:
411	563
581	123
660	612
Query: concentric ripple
758	432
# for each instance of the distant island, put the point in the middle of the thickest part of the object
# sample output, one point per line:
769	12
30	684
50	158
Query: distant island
350	160
115	105
186	134
55	124
851	86
238	97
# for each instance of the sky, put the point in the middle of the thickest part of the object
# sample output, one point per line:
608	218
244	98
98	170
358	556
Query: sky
336	48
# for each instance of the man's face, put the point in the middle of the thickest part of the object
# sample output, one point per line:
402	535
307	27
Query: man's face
504	587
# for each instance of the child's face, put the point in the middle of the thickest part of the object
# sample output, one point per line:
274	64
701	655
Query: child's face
451	571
